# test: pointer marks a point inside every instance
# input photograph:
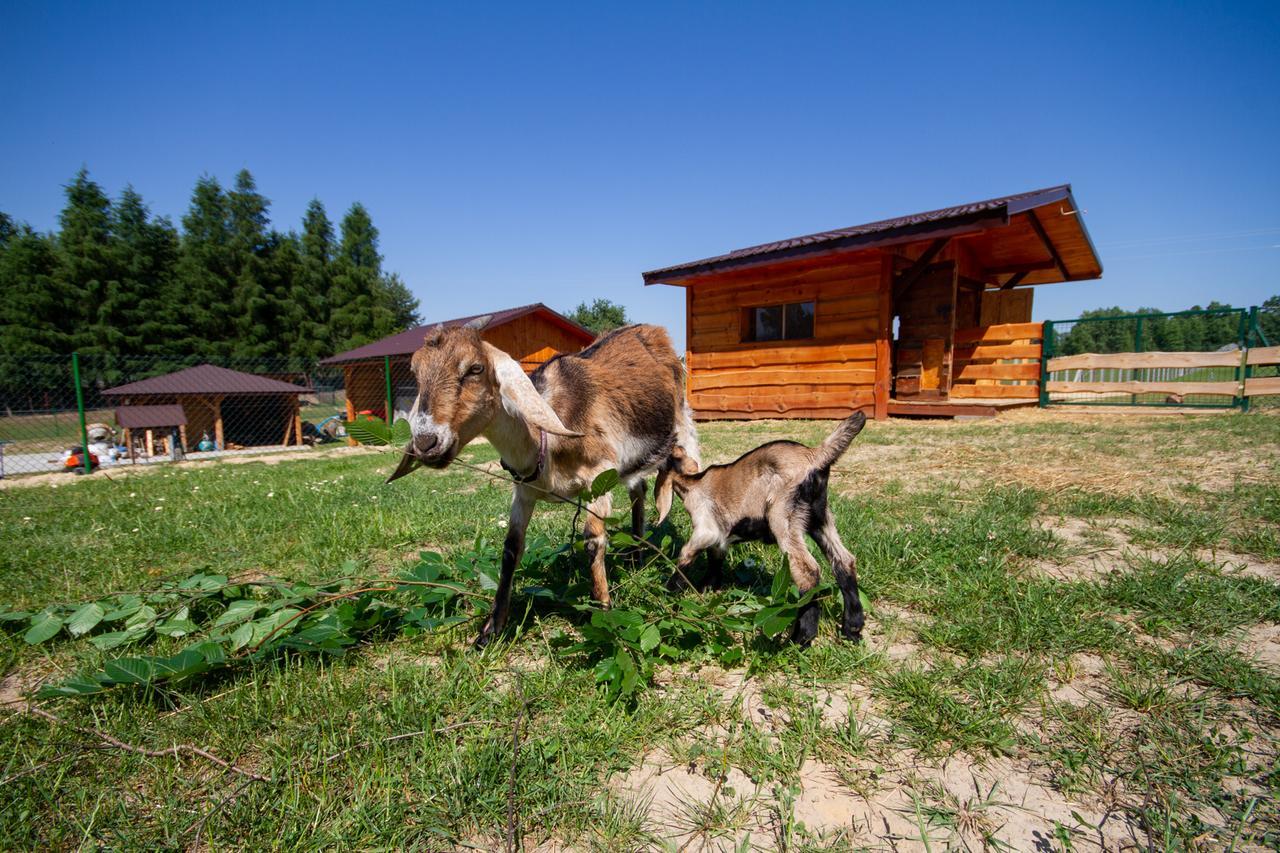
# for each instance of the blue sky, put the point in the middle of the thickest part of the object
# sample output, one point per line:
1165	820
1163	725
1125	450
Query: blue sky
552	152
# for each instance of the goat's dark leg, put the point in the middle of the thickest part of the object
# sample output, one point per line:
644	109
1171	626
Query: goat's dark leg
637	508
715	568
787	525
844	565
597	543
512	549
698	542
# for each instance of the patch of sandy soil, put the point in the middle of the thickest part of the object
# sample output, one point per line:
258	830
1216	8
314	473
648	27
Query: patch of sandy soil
1261	645
13	690
1001	797
1084	682
1092	548
1244	564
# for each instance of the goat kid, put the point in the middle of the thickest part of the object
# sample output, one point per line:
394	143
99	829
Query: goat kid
775	494
617	404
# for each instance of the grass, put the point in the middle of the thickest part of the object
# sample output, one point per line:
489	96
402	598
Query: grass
974	646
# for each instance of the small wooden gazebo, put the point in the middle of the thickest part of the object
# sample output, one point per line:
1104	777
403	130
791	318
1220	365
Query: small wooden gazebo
236	407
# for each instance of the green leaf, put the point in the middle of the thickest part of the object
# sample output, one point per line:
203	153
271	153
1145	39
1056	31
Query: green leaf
177	628
237	611
772	621
369	430
71	687
401	432
7	615
85	619
650	638
43	627
126	606
781	582
144	616
604	482
113	639
129	671
241	636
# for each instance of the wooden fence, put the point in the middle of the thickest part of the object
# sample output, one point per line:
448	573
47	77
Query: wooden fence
997	362
1170	373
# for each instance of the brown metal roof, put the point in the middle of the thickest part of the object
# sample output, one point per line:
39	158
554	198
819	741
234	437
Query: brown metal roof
151	417
410	341
206	379
974	216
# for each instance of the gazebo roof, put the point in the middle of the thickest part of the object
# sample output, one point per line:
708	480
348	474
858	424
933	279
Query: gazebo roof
205	379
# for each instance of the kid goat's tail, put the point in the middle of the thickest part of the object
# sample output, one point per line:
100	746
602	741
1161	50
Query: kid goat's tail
826	454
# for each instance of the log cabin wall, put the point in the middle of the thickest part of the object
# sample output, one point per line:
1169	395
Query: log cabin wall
532	341
926	326
826	376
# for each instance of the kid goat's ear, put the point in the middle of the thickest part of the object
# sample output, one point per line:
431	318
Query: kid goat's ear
520	398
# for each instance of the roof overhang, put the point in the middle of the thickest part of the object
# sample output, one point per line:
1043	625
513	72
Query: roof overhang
1039	236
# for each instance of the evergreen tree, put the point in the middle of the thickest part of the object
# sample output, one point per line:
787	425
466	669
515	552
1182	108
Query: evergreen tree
400	304
308	305
254	300
358	310
86	276
206	273
35	331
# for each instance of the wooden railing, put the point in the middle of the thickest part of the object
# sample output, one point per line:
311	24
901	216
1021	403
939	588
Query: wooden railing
997	362
1176	373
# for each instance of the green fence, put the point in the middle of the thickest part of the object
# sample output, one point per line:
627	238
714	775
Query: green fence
51	407
1183	358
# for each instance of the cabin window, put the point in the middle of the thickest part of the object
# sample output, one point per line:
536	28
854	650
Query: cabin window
780	322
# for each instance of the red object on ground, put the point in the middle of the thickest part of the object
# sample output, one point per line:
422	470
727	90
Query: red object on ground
75	461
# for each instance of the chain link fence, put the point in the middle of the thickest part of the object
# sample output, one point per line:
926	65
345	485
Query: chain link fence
141	410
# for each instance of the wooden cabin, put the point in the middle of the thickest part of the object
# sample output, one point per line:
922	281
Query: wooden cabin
531	334
927	314
231	407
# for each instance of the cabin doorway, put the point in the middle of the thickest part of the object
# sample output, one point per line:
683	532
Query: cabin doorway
926	315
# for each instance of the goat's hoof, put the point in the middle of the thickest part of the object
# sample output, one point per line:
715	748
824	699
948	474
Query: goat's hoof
487	636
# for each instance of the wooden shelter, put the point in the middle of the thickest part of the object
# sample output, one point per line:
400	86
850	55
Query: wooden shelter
232	407
150	421
923	314
531	334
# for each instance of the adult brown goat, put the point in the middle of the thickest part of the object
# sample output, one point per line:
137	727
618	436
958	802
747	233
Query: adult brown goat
617	404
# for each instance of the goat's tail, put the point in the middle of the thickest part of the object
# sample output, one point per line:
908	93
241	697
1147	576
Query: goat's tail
826	454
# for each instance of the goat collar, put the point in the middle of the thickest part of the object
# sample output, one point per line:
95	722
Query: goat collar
537	468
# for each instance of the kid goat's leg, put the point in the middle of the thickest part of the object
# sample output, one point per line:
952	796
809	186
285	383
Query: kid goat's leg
636	493
597	543
844	565
787	529
512	549
698	542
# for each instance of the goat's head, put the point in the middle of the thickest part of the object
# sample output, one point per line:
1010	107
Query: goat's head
465	383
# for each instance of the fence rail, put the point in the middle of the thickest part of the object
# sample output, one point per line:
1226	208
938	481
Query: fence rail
1106	360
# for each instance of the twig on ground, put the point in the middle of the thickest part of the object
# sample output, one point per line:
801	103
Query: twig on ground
406	735
174	750
186	708
513	816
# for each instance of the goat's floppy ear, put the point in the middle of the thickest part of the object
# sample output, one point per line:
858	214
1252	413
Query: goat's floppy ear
521	398
662	490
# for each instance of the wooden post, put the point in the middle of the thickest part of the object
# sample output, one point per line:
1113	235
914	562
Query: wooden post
217	424
182	434
128	442
149	447
884	335
297	421
349	375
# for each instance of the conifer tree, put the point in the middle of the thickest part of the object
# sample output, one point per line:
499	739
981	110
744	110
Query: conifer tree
206	272
308	305
358	312
86	274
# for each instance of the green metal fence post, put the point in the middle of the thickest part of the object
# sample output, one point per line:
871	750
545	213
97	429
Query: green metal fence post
1046	350
1137	347
84	430
386	363
1248	368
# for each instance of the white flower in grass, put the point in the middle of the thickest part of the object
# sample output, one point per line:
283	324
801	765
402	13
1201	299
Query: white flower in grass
135	530
502	522
159	508
133	494
271	494
26	518
991	535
